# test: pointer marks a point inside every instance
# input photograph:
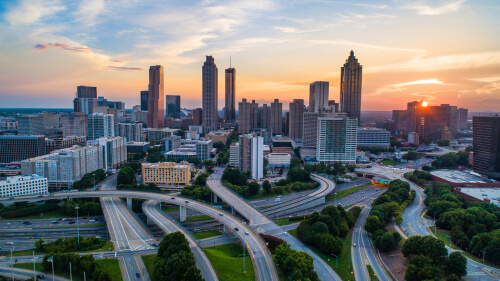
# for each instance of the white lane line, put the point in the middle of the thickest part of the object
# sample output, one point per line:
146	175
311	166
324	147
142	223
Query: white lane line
131	226
106	200
121	224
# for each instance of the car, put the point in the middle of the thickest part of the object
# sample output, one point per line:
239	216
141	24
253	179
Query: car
246	232
220	214
154	244
98	237
173	198
96	219
54	221
186	202
27	223
236	229
40	276
92	220
244	223
9	243
354	245
277	200
138	275
59	219
72	222
40	196
64	219
285	233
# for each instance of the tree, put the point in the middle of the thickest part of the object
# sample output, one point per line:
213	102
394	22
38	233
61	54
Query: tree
253	188
421	268
219	145
387	241
234	176
372	224
443	142
209	164
320	227
427	245
328	244
267	186
456	264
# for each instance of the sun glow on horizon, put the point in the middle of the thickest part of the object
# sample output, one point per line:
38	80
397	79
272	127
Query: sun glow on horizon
424	103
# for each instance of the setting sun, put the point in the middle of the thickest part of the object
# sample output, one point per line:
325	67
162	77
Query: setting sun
424	103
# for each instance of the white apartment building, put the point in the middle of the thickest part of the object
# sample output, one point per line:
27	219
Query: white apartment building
100	126
23	185
234	155
337	139
63	167
374	137
252	155
115	151
132	131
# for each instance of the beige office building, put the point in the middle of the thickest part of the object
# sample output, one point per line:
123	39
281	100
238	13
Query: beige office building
166	174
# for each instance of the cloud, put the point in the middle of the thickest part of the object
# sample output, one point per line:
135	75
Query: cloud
63	46
117	60
454	61
121	68
28	12
289	29
486	79
434	11
399	87
88	11
364	5
355	44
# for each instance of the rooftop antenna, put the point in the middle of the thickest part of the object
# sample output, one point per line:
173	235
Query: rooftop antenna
229	61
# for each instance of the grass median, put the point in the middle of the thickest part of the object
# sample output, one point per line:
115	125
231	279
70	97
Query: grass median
227	261
149	263
197	218
346	192
206	234
371	273
108	247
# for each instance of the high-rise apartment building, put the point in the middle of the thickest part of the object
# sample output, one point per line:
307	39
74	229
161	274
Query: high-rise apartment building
310	129
462	115
296	122
86	92
399	119
265	117
486	145
30	124
115	151
173	106
276	117
244	117
234	155
131	131
230	113
156	97
337	139
197	116
430	121
251	155
318	95
144	100
373	137
100	126
84	105
17	148
60	143
350	87
210	95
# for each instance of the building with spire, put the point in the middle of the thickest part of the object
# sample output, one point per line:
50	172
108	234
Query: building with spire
210	95
230	112
350	87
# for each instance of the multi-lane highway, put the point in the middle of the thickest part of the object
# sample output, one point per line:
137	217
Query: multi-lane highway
168	226
261	223
261	257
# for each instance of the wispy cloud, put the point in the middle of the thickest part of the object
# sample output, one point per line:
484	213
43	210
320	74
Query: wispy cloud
486	79
121	68
289	29
88	11
437	10
349	3
399	87
28	12
63	46
355	44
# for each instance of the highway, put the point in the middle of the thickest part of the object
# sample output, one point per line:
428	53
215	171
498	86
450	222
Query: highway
23	274
168	226
263	262
415	224
261	223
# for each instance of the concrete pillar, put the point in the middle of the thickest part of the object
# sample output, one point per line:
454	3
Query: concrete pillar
215	198
129	203
182	210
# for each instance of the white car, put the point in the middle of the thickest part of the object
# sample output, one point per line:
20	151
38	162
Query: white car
92	220
354	245
285	233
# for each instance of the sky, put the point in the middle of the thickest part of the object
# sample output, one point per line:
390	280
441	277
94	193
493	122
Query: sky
440	51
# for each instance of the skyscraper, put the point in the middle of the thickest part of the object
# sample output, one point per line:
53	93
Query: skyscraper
350	87
144	100
337	139
251	155
318	95
230	94
197	116
310	129
173	106
210	95
430	121
399	118
296	122
265	117
100	126
276	117
74	124
86	92
30	124
244	117
486	145
254	115
462	118
156	96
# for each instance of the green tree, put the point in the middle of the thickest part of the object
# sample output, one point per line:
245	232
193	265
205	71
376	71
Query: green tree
422	268
320	227
253	188
456	264
328	244
372	224
267	186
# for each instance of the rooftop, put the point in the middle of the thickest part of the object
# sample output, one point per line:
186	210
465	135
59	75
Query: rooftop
15	179
457	176
164	164
493	194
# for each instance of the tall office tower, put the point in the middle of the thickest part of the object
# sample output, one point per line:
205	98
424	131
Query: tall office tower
276	117
100	126
462	114
286	123
131	131
244	117
486	145
399	118
74	124
86	92
30	124
310	129
144	100
156	96
254	115
350	87
337	139
265	117
197	116
17	148
334	105
173	106
230	113
296	122
84	105
318	95
210	95
412	110
252	155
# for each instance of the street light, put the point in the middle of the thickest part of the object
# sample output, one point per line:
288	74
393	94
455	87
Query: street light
51	260
77	226
335	198
94	180
336	260
12	262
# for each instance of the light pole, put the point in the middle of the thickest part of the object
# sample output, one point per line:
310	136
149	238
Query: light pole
34	274
12	262
335	198
94	180
77	226
70	272
484	252
51	260
336	260
434	222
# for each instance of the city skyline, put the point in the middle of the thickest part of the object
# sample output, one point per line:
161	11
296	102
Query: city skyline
278	49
